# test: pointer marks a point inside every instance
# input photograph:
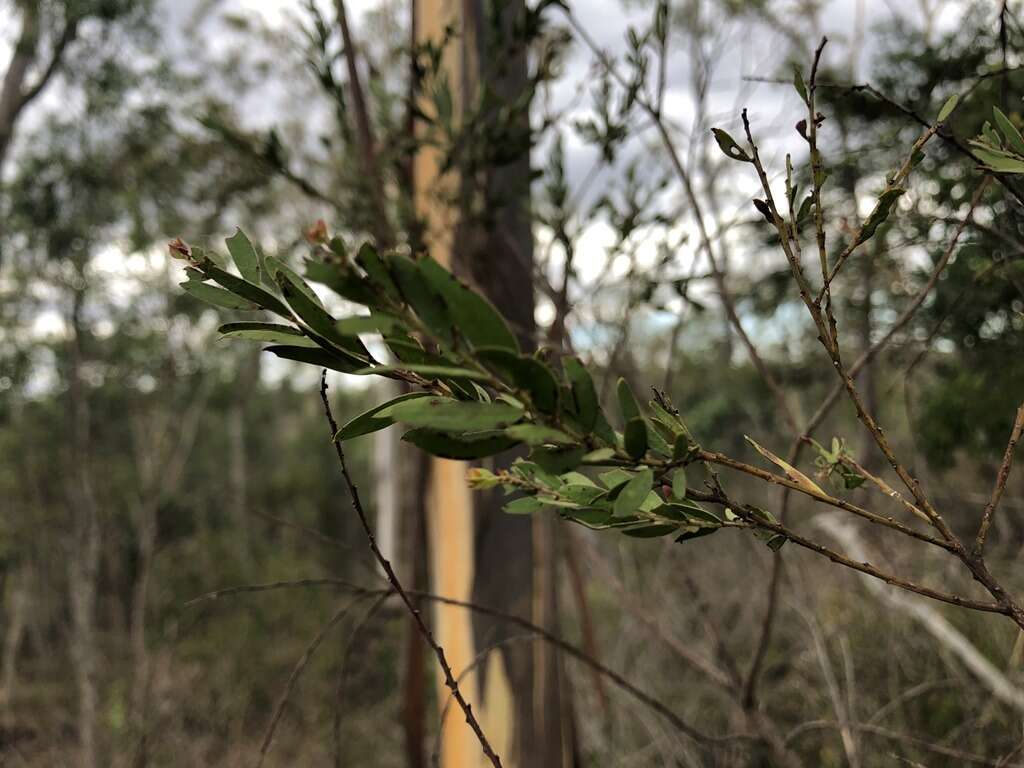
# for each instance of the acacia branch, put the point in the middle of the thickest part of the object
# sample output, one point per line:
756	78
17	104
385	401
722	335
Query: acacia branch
770	477
396	585
756	518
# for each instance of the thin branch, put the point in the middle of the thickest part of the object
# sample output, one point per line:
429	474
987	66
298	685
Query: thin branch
725	461
382	227
1001	477
297	670
905	317
424	630
684	176
754	516
549	637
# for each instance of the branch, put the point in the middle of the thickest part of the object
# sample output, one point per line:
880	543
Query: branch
727	300
383	233
1001	477
396	585
753	516
549	637
770	477
296	673
948	636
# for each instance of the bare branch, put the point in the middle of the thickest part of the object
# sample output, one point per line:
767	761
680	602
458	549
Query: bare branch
1001	477
424	630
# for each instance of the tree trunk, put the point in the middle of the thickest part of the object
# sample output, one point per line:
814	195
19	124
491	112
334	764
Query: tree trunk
18	593
83	563
477	551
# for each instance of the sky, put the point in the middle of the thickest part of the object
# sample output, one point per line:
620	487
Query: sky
735	57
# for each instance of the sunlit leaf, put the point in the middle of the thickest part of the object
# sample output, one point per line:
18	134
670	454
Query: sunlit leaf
372	420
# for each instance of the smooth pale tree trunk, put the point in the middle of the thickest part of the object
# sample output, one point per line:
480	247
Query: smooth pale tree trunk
477	552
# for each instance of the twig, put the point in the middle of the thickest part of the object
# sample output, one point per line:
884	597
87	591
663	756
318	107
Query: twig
297	670
754	516
1001	477
340	688
722	460
549	637
389	572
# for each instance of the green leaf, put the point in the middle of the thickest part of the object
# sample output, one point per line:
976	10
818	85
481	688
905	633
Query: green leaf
377	271
525	373
998	160
650	531
583	392
318	357
557	460
244	255
316	317
424	300
679	483
613	478
798	83
627	402
729	146
1013	138
636	438
599	455
218	297
463	447
880	213
266	332
584	495
695	533
246	290
424	369
633	493
527	505
345	283
475	317
536	434
947	108
276	266
376	323
449	415
371	420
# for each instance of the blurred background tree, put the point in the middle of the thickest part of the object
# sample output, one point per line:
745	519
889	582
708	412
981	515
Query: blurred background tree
143	463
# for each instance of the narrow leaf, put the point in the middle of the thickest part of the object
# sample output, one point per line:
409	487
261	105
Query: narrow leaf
319	357
266	332
463	447
1013	138
244	255
372	420
449	415
475	317
792	473
636	438
218	297
948	106
729	146
583	392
